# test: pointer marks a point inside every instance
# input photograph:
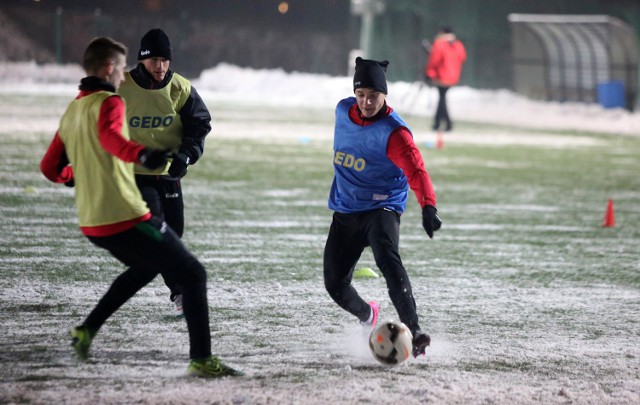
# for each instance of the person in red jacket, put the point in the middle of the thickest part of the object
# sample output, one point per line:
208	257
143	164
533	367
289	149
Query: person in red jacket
443	69
92	152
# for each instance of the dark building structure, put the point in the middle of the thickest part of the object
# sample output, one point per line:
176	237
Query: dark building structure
313	36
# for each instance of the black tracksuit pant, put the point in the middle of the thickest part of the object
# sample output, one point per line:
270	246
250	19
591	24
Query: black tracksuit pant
163	195
348	236
442	112
149	249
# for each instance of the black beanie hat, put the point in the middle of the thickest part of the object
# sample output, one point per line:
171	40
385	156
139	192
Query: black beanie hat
155	43
370	74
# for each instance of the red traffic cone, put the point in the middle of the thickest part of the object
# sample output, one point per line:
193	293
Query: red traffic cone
609	216
439	140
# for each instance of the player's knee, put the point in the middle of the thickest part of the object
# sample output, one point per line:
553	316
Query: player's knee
332	285
329	284
192	272
389	264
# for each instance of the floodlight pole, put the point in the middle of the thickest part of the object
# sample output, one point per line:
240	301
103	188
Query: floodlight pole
368	9
97	13
58	36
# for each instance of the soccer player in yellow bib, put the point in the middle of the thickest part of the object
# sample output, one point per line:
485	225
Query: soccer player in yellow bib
93	153
164	111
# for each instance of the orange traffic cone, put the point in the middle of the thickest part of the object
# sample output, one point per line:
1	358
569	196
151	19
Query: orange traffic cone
609	216
439	140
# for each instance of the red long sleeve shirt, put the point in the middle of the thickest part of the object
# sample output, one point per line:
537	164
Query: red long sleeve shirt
403	152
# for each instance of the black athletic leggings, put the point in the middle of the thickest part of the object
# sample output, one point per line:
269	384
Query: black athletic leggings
348	236
150	248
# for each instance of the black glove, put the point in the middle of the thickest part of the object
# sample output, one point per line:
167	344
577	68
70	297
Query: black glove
179	165
70	183
153	158
428	81
430	220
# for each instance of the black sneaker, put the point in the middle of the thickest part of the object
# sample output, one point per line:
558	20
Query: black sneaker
420	342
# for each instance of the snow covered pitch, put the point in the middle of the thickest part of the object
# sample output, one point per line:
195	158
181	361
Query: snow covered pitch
527	298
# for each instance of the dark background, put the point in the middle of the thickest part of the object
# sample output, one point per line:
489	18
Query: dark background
313	36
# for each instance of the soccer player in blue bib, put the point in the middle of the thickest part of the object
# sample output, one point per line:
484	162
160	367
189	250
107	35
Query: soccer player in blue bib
375	163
